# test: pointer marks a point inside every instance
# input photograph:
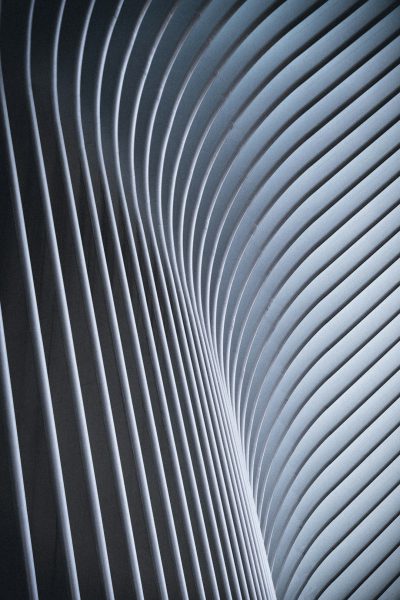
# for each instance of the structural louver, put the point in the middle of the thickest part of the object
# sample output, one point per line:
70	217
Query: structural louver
200	299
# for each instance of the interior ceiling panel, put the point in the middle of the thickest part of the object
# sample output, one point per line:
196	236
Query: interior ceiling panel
200	299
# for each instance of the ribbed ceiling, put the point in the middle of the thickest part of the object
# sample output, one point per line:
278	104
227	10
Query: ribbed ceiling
200	299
